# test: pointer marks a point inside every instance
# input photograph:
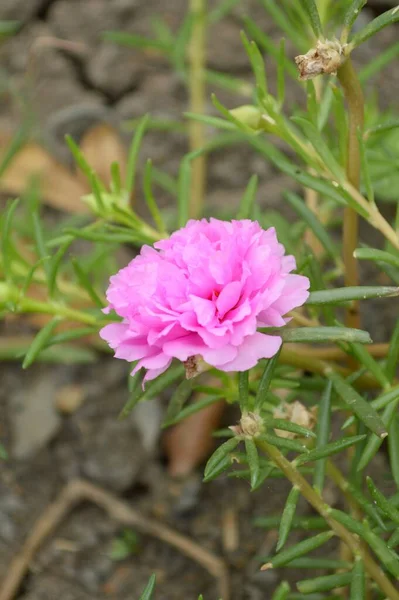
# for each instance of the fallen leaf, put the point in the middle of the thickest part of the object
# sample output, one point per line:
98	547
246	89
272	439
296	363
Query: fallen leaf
60	188
101	146
189	443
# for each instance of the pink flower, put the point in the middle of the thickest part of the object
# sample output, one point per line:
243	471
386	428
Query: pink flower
204	291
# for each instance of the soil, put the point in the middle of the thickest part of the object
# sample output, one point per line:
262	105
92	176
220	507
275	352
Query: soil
66	92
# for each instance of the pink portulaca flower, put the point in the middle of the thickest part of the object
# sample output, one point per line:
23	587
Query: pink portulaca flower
204	291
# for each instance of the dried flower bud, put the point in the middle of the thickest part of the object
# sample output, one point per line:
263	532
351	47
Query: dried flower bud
326	58
251	425
297	413
194	366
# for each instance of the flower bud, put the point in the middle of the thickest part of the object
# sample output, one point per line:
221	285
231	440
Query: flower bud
326	58
248	115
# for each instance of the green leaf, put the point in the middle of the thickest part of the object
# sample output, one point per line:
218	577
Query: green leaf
280	442
282	591
8	28
376	255
329	449
358	582
378	63
136	41
3	453
285	556
194	408
219	468
243	389
299	205
55	263
134	153
321	147
221	10
294	34
375	441
87	170
287	517
149	197
364	357
387	18
301	523
281	74
149	589
320	334
393	447
313	13
347	294
220	454
351	15
40	342
382	503
253	461
86	284
363	409
323	429
178	400
248	199
324	583
292	427
393	354
6	244
257	63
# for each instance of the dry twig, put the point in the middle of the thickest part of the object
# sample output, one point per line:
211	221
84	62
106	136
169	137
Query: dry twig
78	491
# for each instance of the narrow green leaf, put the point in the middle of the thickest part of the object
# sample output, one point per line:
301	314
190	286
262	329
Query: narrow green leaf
292	427
366	359
86	170
377	256
3	453
134	395
136	41
282	591
281	74
324	583
363	409
390	511
393	447
221	10
72	334
281	442
375	441
323	429
243	389
194	408
387	18
313	562
253	461
8	28
300	549
321	334
248	199
301	523
219	468
257	63
85	282
321	147
279	15
299	205
347	294
116	180
6	244
265	381
220	454
349	522
351	15
39	343
376	65
134	153
178	400
149	197
378	403
329	449
55	263
287	517
393	541
392	362
358	583
313	13
149	589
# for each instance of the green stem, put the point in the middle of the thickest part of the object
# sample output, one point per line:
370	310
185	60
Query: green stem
317	502
196	82
355	100
28	305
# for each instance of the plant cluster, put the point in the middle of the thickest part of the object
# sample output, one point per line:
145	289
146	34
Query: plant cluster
343	153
